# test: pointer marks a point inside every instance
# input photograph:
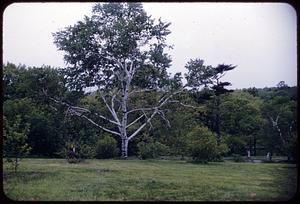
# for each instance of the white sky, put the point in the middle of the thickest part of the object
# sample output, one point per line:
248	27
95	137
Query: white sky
260	38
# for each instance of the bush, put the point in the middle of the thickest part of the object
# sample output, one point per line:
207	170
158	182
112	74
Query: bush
150	149
222	150
106	148
202	145
82	151
86	151
236	144
238	158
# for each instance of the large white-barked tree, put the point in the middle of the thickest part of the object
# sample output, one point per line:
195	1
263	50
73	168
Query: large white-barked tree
120	50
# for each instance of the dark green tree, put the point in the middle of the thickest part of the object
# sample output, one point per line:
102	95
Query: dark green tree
242	121
24	96
15	140
279	111
200	75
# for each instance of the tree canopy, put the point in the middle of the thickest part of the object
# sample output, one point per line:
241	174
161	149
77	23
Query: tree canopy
116	35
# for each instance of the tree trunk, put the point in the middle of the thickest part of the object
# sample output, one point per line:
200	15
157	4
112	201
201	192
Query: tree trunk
254	146
124	154
125	89
218	120
16	164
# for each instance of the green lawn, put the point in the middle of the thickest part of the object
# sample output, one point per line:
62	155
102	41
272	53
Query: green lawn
138	180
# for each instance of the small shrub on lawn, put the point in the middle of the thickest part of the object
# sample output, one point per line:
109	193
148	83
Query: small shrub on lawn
238	158
106	148
203	147
150	149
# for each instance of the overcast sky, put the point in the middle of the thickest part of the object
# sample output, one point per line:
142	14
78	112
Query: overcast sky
260	38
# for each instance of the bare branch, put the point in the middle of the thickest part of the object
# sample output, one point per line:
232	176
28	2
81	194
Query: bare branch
141	91
110	109
78	111
135	121
274	122
275	125
162	102
142	126
140	109
103	128
103	117
161	113
151	126
131	68
185	105
113	109
53	108
119	63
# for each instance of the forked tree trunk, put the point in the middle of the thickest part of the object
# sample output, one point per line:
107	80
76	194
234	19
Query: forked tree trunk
16	164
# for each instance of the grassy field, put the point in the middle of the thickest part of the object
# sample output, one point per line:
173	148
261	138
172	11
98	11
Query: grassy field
137	180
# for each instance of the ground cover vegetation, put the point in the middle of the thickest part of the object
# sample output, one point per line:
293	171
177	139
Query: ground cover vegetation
149	180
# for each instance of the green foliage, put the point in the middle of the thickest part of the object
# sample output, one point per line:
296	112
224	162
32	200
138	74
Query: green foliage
120	32
86	151
291	147
202	145
31	82
241	112
82	151
106	148
150	149
198	74
242	121
15	140
208	76
279	111
24	95
236	144
238	158
244	117
222	150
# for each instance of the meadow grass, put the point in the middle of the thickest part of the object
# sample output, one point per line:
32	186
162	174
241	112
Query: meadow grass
149	180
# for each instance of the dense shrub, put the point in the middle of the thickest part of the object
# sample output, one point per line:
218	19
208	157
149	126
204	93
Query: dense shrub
238	158
222	150
86	151
106	148
151	149
202	145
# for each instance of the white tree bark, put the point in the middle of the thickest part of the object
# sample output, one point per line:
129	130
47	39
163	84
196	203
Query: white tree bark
275	125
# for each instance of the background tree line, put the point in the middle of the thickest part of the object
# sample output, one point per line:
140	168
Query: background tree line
137	107
262	120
